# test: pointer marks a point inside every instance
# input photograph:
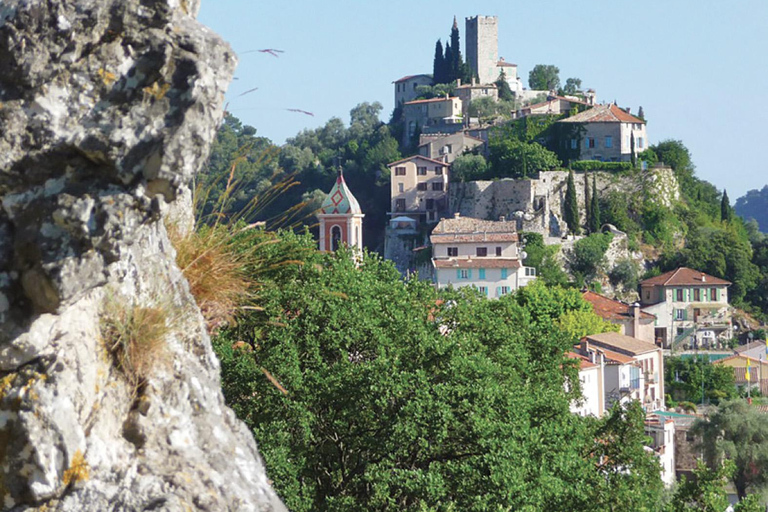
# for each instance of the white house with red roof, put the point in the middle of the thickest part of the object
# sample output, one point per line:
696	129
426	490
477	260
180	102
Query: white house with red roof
691	308
609	134
418	189
630	317
406	88
480	253
341	219
634	369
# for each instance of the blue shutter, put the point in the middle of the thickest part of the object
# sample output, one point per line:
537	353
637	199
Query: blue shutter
469	273
458	273
481	273
498	291
503	273
486	291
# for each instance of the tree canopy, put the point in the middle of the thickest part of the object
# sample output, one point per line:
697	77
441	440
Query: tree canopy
544	77
368	392
754	205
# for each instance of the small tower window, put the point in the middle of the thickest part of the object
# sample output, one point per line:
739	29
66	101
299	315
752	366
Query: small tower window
335	237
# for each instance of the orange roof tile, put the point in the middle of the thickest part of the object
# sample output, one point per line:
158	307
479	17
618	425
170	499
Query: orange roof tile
610	309
621	343
603	114
584	362
684	276
473	237
408	77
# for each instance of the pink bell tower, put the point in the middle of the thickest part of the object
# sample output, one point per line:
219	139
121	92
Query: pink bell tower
341	219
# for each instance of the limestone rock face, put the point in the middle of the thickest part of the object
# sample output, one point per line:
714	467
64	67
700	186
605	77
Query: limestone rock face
107	109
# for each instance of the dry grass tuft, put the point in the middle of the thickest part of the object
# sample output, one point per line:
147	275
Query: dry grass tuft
216	272
136	339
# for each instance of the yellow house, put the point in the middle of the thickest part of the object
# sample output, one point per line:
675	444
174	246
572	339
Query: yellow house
758	370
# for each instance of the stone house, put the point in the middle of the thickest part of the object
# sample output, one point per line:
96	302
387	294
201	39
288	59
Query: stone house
554	105
607	134
432	115
591	381
479	253
405	88
447	147
691	308
634	369
472	91
418	188
632	320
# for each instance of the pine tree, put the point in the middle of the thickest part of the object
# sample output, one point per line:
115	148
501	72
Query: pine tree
438	66
725	208
455	62
587	199
571	206
594	219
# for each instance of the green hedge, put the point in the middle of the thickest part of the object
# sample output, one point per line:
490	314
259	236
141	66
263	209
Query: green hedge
597	165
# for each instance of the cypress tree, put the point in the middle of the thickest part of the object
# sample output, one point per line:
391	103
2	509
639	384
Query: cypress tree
587	199
571	206
632	149
438	66
594	219
725	208
447	63
455	62
640	113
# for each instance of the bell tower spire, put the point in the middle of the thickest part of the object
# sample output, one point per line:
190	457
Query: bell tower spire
341	219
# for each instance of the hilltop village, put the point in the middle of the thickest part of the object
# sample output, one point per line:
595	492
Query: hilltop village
473	232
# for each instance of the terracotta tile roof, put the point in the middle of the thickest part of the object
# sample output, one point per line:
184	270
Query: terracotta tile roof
584	362
417	157
603	114
476	86
684	276
504	63
752	361
610	309
430	100
408	77
469	225
473	237
621	343
478	263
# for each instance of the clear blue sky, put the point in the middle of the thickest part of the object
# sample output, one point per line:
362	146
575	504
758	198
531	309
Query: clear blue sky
697	67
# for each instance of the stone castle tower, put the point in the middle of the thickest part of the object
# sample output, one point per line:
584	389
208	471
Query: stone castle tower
482	47
341	219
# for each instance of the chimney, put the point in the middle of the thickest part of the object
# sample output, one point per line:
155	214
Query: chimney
703	278
456	215
636	320
502	218
473	80
458	82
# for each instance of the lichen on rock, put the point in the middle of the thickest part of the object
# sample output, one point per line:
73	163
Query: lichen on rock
107	110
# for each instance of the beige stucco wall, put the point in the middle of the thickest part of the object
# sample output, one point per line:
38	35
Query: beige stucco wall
416	200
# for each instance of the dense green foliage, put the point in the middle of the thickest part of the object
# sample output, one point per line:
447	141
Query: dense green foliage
737	432
510	158
544	259
544	77
596	165
754	205
448	65
589	255
469	167
367	392
706	492
686	378
505	92
572	86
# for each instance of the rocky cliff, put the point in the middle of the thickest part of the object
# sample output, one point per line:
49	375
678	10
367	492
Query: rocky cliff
109	390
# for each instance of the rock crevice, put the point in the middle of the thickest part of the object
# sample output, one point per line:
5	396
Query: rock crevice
107	110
